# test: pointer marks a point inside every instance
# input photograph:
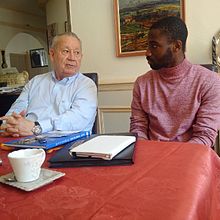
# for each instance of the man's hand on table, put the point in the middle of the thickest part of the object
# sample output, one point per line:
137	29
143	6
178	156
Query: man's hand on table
16	125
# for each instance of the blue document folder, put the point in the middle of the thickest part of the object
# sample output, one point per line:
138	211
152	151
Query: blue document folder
47	140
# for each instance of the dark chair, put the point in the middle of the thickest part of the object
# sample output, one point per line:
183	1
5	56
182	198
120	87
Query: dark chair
214	68
94	77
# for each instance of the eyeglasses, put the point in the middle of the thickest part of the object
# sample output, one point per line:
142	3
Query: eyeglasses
67	52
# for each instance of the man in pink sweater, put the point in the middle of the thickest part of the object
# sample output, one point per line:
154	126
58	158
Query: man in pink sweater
176	100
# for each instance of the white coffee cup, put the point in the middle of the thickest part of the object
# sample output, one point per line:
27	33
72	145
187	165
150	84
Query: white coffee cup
26	163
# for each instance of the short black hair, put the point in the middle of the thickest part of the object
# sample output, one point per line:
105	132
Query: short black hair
174	28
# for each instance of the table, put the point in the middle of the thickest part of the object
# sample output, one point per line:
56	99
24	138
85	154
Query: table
169	181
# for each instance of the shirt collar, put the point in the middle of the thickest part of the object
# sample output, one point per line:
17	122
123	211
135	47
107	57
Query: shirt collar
66	80
176	72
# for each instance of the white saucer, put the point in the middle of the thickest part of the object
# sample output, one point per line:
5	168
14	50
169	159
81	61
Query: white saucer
46	177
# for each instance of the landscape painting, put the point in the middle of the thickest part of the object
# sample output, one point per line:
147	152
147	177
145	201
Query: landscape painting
133	19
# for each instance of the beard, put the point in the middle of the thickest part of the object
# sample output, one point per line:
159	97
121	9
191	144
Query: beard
165	61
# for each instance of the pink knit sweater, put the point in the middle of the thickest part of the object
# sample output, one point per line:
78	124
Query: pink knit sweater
177	104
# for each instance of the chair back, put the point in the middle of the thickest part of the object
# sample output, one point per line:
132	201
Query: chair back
211	67
94	77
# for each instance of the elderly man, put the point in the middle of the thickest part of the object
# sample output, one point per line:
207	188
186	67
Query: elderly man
63	99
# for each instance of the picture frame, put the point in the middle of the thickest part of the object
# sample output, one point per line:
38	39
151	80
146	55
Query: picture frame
51	33
132	20
38	58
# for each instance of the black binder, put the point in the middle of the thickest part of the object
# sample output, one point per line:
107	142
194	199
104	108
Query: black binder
62	158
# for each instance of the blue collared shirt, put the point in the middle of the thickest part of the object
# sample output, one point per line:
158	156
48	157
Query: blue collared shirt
68	104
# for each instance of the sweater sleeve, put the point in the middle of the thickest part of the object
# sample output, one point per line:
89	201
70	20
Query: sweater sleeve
207	121
138	120
21	103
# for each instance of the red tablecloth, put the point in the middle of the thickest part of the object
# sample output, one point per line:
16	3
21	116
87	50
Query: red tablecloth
169	181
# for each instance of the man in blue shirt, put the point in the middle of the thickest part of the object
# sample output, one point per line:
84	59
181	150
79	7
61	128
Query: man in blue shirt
63	99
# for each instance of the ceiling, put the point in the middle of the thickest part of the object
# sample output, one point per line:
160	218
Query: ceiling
36	7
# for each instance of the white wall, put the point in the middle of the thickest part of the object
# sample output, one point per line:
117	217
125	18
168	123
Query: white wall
16	45
203	24
13	22
21	32
93	21
56	13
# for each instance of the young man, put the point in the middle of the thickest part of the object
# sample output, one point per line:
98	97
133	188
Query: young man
176	100
63	99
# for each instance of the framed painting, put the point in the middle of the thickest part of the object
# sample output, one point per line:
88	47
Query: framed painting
51	33
133	18
38	58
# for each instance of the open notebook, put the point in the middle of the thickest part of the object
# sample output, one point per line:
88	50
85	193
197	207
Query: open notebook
103	146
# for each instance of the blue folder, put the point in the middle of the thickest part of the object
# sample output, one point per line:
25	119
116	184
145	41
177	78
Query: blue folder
46	141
